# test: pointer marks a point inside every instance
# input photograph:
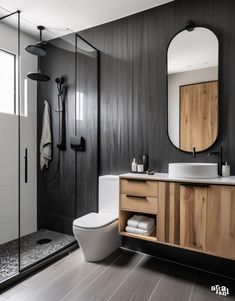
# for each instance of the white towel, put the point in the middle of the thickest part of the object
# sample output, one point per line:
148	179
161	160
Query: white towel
139	231
146	224
141	222
134	220
46	141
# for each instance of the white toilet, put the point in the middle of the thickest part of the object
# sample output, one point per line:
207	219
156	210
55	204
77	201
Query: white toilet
97	233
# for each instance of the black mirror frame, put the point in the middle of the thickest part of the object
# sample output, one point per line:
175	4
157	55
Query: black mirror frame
190	25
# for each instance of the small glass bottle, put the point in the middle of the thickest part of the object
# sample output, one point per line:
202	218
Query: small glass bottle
134	166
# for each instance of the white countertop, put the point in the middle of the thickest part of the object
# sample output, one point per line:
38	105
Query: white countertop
166	177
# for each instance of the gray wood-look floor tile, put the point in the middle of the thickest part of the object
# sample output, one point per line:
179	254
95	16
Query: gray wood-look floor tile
141	282
65	282
123	276
88	279
175	284
51	272
104	286
14	290
35	283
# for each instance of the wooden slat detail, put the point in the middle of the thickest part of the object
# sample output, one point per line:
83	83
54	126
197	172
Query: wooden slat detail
174	213
193	217
162	217
221	221
199	218
213	220
186	215
168	212
227	239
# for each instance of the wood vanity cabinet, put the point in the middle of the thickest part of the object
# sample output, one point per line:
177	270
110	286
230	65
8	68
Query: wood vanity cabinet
207	219
194	216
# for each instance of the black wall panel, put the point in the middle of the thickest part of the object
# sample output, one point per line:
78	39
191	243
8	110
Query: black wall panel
70	194
56	199
133	82
86	162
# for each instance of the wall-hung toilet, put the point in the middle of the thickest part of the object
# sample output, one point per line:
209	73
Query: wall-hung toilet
97	233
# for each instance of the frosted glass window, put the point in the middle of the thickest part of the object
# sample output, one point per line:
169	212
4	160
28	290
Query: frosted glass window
7	82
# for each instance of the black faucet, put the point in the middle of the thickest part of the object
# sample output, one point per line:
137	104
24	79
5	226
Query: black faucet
219	153
194	152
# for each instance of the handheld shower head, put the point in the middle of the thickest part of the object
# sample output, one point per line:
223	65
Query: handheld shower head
59	80
60	85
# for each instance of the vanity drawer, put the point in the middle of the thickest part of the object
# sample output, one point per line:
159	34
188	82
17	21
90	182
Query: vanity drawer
145	204
139	187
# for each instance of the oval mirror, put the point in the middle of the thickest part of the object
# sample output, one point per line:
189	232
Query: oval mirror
192	74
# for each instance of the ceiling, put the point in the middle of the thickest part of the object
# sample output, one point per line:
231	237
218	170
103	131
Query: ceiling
61	17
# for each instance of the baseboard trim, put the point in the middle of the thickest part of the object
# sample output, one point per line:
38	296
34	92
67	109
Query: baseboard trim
200	261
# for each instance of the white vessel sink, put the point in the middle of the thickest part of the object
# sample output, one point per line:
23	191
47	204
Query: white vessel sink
193	170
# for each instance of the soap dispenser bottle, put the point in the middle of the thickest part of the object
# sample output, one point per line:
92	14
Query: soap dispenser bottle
146	162
134	166
226	170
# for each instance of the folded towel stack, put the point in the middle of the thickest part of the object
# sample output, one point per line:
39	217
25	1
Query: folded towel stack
139	224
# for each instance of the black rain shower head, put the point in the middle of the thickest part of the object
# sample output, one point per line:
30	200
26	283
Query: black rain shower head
37	49
38	76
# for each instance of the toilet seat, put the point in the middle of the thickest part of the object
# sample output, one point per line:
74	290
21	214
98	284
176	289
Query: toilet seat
94	220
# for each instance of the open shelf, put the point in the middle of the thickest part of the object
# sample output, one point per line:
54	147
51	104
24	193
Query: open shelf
138	236
142	212
125	215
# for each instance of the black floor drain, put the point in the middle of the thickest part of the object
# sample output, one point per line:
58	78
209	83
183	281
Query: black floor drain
43	241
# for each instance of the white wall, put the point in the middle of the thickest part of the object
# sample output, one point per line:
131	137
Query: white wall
176	80
9	149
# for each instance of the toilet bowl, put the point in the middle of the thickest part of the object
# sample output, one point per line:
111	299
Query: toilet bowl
97	233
